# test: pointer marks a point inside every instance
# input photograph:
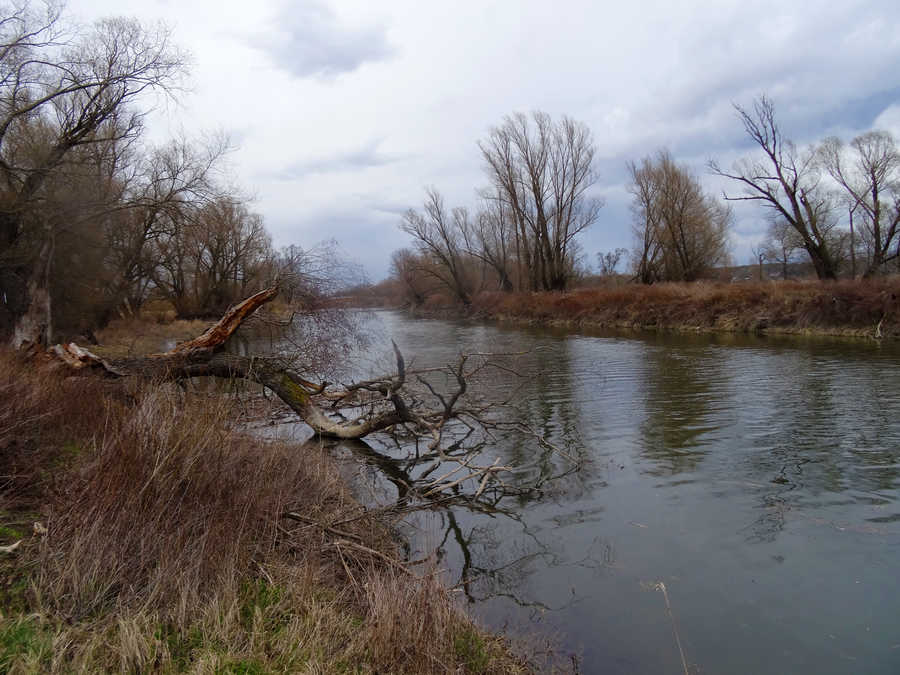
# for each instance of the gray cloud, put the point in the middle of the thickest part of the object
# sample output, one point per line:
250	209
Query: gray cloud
309	41
364	157
366	235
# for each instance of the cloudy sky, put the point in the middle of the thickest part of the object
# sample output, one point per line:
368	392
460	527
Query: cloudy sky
344	111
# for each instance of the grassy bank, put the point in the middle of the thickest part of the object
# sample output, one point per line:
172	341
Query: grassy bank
146	533
851	308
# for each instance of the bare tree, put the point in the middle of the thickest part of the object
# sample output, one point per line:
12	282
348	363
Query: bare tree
781	245
75	91
681	232
608	261
542	172
869	174
212	258
438	234
786	180
166	186
489	238
408	267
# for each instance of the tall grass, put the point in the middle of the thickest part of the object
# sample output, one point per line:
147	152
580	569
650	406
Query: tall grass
167	548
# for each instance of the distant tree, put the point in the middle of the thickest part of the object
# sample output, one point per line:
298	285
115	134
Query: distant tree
167	186
681	232
438	235
408	268
542	172
868	172
212	259
786	180
489	237
781	245
608	261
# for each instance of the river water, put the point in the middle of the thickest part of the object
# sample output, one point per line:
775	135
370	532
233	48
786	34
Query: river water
755	480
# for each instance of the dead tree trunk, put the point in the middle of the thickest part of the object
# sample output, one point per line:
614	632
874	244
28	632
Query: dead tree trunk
406	400
205	356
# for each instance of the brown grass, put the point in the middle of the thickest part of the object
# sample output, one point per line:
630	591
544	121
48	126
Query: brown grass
837	308
167	548
140	336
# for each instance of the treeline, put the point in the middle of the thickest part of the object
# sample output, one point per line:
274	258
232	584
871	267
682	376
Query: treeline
94	220
831	204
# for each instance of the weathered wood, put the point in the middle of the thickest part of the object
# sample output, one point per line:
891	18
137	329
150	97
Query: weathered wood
205	356
217	335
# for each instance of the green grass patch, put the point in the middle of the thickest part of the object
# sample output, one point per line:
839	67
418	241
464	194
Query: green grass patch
24	642
471	650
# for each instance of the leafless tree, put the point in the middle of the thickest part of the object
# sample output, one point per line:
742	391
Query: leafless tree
608	261
542	172
167	186
781	245
408	267
868	172
489	237
681	232
212	258
786	180
438	234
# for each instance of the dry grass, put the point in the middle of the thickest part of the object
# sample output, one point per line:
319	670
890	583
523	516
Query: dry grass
140	336
839	308
168	549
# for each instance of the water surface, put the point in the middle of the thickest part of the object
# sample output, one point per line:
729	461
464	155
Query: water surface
757	479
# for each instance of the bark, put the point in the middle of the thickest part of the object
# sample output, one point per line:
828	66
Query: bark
204	356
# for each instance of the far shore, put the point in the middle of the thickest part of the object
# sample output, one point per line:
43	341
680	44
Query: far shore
848	308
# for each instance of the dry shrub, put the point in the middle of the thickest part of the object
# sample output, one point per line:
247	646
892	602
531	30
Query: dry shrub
169	504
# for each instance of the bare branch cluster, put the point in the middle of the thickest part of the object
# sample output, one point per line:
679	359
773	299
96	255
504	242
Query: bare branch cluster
804	188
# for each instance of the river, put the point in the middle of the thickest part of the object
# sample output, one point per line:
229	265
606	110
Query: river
737	502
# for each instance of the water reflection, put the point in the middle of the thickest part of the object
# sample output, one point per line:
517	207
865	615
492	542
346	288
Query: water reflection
757	478
680	391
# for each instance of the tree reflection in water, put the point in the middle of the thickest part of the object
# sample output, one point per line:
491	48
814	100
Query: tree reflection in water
487	567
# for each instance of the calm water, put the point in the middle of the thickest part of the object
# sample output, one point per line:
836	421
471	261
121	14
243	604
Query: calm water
756	478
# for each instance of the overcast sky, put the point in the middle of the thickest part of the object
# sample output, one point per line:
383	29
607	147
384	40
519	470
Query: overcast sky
343	112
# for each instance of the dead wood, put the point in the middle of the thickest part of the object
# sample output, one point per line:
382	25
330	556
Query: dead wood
453	432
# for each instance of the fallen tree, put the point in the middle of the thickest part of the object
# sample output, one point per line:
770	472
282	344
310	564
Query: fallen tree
407	404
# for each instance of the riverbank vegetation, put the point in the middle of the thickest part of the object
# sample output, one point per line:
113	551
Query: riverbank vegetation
842	308
144	531
864	308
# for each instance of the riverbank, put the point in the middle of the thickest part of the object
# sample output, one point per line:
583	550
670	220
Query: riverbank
143	531
844	308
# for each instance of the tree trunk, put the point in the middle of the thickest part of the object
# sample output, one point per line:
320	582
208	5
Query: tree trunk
35	325
204	357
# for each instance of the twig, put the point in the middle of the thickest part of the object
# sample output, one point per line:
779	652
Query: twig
371	551
344	563
327	528
662	587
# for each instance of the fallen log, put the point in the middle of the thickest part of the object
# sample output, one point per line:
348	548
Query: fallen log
205	356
